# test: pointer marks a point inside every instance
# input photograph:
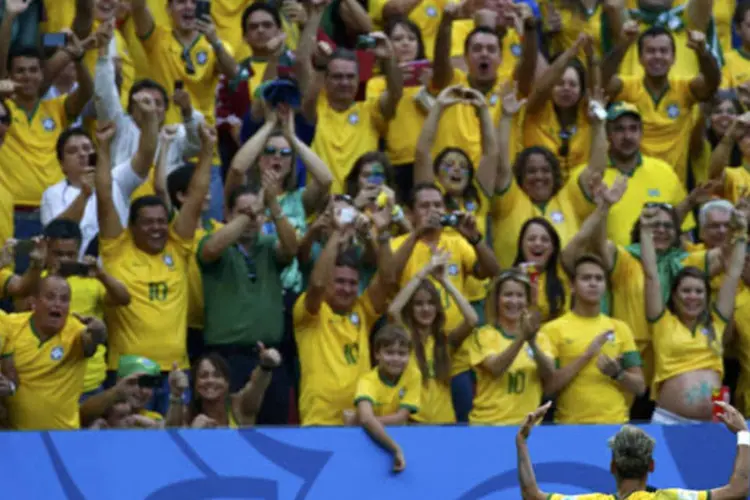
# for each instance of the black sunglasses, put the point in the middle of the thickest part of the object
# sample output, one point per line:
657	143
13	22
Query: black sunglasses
272	150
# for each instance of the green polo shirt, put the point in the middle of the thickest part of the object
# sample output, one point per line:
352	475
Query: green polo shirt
243	295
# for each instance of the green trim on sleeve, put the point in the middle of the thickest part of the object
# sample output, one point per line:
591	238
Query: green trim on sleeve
549	497
583	191
6	355
708	494
411	408
718	313
150	32
500	192
557	363
655	320
358	399
6	285
631	359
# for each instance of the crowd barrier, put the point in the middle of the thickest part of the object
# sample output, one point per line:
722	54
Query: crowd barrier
451	463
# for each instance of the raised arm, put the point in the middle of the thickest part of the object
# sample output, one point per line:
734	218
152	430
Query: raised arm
251	396
13	9
190	213
77	99
739	482
166	140
423	169
531	61
487	169
148	122
404	295
248	154
705	84
322	272
486	265
511	106
726	298
542	91
526	478
442	67
652	287
457	336
142	18
599	149
109	221
611	63
393	76
722	152
288	244
307	77
225	61
385	282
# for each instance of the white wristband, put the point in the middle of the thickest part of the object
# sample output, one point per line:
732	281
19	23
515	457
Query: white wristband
743	438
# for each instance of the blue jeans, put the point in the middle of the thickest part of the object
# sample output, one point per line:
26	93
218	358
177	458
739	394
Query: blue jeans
462	393
216	207
27	225
160	400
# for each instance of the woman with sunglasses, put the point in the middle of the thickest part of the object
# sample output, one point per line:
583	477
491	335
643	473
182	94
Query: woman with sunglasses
689	327
402	131
534	185
556	113
510	359
418	307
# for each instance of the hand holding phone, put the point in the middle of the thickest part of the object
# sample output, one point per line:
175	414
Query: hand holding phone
203	10
346	216
54	40
73	268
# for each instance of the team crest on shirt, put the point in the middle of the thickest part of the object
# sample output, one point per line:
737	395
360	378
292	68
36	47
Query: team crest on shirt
56	354
402	393
48	124
353	118
654	192
201	57
673	111
453	270
268	228
493	99
530	351
431	11
515	49
705	331
354	318
168	260
470	206
610	336
557	217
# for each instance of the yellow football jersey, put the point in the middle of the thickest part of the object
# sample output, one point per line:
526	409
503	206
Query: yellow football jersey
426	15
723	11
334	352
742	345
6	214
651	181
30	147
436	404
171	61
679	350
59	15
736	70
665	119
154	324
736	183
543	129
227	17
574	21
513	207
6	273
388	397
462	260
349	135
685	65
671	494
542	303
401	132
591	397
50	374
510	42
509	398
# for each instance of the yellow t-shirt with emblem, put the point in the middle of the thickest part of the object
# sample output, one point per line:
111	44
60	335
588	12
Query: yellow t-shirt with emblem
402	131
666	119
736	182
387	397
591	397
513	207
165	53
50	374
461	264
426	15
671	494
349	134
154	324
510	48
736	70
334	352
436	403
195	281
651	181
543	129
679	350
29	151
574	22
509	398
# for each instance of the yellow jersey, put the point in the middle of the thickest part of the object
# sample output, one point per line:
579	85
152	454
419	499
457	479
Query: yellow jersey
6	273
665	117
168	64
513	207
436	403
387	397
426	15
542	303
154	324
679	350
543	129
59	15
402	131
195	281
334	352
736	183
227	17
671	494
135	49
29	151
685	62
742	344
510	48
159	12
591	397
509	398
723	11
459	125
736	70
349	135
463	259
6	214
652	180
573	23
50	374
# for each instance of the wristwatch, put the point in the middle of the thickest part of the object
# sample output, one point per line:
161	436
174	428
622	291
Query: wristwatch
475	241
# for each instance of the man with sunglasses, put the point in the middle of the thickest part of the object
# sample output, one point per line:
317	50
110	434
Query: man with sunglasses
241	270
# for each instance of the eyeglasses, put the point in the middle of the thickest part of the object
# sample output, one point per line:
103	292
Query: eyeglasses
343	197
272	150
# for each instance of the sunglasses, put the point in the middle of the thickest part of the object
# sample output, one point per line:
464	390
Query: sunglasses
343	197
272	150
376	178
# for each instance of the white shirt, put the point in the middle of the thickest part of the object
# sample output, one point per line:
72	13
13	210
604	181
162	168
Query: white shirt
57	198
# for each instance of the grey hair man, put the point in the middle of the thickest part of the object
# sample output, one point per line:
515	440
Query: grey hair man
713	218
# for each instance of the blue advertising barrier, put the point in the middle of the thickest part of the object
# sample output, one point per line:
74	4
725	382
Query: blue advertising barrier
451	463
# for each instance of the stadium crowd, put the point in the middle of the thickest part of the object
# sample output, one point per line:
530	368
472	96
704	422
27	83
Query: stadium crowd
228	213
